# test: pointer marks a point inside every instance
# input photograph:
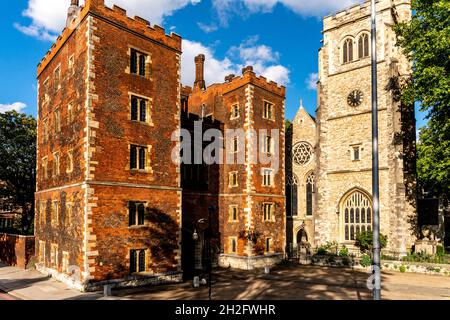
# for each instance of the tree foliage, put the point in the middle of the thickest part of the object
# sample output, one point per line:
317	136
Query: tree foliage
426	42
364	241
18	163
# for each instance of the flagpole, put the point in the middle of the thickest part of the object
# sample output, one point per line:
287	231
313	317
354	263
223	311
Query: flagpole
375	163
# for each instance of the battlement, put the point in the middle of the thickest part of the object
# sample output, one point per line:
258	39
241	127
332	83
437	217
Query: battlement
250	77
116	15
361	10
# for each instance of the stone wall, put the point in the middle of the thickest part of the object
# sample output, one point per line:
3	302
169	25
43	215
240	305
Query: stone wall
16	250
341	127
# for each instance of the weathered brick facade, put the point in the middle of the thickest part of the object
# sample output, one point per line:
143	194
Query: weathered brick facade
83	204
110	203
246	93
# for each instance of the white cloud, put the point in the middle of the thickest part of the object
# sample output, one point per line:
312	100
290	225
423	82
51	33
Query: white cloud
312	81
17	106
309	8
48	17
207	28
263	59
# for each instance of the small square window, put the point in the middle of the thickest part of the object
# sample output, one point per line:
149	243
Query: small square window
356	153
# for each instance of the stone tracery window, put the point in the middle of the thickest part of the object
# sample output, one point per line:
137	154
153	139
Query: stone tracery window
347	51
309	194
302	153
363	46
357	209
292	195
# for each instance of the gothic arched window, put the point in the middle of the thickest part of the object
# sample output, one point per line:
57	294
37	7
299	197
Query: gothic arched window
357	209
363	46
348	51
292	196
309	194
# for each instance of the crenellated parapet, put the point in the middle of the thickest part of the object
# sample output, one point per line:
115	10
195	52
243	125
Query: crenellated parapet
360	11
249	77
118	16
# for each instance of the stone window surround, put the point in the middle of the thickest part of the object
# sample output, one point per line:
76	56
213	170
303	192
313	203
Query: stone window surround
355	51
137	202
44	168
272	110
57	69
352	150
65	262
41	255
54	255
45	89
232	111
271	213
57	119
231	209
68	215
231	175
232	242
148	149
148	111
270	173
268	242
56	163
148	61
147	259
55	213
69	161
71	65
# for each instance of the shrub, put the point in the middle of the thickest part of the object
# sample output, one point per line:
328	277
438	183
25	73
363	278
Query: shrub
364	241
402	269
440	251
366	260
321	251
343	252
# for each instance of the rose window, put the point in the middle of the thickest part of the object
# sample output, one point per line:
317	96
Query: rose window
302	153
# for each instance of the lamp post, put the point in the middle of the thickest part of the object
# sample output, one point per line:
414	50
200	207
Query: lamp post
375	164
208	244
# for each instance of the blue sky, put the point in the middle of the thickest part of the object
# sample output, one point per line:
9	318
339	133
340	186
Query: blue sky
280	37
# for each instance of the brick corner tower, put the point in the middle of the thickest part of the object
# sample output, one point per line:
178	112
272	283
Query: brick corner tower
108	194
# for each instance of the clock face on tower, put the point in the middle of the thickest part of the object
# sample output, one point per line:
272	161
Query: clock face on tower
355	98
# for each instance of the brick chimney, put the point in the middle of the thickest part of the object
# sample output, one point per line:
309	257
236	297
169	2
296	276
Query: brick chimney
200	72
72	12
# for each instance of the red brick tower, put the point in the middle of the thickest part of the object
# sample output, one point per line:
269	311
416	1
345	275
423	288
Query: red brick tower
108	194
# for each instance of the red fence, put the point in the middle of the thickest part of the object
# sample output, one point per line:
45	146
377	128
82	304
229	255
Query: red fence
16	250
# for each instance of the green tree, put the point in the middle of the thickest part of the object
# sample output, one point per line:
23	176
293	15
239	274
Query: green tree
364	241
18	164
426	42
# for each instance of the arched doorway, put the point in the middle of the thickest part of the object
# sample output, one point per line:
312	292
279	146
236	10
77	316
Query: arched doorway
356	209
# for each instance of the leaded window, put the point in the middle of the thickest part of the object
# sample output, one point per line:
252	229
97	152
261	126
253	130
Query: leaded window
136	213
357	215
309	194
363	46
137	261
292	195
348	51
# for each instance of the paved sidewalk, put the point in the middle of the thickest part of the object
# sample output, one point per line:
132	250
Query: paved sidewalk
32	285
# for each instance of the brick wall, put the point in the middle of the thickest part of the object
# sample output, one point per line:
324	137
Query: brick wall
16	250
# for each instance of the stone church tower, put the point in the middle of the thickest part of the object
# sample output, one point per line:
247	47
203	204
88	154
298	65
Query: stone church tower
343	174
